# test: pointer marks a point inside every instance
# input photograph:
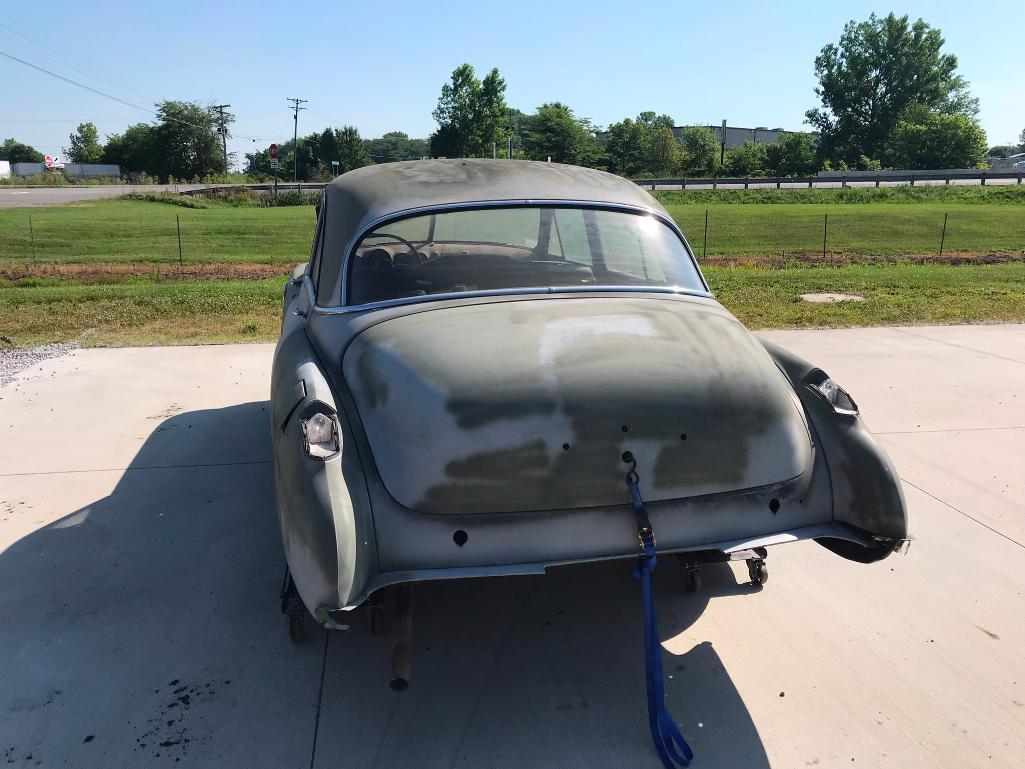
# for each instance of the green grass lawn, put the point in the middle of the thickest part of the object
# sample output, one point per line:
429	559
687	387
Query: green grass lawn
101	291
138	231
182	312
141	232
871	229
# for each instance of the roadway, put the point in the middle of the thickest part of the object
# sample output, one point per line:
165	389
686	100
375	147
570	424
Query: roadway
140	562
22	197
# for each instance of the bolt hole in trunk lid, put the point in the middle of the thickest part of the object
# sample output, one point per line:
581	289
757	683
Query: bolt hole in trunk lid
526	406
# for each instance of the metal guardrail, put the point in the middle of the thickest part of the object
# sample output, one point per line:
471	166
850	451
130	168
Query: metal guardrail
809	182
820	181
263	187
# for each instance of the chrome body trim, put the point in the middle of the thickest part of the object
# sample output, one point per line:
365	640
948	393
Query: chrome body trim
486	204
536	291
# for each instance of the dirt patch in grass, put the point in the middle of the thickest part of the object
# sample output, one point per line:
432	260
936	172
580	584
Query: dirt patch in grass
87	274
816	259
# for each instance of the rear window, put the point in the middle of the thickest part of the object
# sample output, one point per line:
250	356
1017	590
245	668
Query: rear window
517	247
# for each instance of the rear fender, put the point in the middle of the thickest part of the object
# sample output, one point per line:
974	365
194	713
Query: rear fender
867	491
323	505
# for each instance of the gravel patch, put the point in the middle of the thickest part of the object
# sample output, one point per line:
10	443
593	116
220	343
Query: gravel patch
14	360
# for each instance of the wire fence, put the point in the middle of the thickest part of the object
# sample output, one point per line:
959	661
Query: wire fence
810	233
865	234
243	235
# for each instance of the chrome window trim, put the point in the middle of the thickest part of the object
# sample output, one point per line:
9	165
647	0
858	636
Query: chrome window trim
529	291
488	204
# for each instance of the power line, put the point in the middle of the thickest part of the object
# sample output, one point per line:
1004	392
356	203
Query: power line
69	62
106	95
295	136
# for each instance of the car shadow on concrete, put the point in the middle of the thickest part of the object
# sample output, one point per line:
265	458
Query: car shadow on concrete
143	629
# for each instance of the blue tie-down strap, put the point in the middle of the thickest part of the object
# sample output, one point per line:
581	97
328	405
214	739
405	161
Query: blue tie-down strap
669	741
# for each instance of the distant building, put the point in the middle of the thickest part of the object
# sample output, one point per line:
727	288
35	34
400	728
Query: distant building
1010	163
736	136
74	170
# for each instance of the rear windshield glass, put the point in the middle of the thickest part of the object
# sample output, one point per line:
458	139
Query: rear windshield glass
522	247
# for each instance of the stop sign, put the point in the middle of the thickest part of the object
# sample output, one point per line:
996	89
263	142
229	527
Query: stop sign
48	160
273	151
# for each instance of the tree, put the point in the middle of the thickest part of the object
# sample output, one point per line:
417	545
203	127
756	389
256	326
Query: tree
650	120
471	114
258	163
352	152
1021	147
663	152
626	148
749	159
135	150
931	140
395	145
700	150
187	141
555	132
879	69
796	156
84	145
1002	151
328	150
16	152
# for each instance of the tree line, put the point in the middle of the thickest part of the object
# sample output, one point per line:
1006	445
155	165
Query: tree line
890	97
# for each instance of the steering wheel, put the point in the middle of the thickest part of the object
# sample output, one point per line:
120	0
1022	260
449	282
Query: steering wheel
412	249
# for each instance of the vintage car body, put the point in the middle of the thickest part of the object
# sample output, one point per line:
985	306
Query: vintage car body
432	427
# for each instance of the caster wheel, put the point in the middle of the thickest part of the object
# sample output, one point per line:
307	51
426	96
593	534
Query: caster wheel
693	580
758	572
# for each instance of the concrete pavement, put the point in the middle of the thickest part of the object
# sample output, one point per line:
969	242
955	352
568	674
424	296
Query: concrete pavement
140	563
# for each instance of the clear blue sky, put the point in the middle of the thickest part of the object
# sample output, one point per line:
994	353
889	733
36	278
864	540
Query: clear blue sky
380	66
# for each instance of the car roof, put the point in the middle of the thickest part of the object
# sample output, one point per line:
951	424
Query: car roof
358	198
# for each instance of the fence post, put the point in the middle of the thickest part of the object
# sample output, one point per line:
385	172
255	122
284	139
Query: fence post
983	182
704	245
825	229
747	181
32	237
178	223
715	182
683	185
877	181
943	236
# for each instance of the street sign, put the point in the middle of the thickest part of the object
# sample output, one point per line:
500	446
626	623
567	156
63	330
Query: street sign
273	152
273	162
334	163
53	161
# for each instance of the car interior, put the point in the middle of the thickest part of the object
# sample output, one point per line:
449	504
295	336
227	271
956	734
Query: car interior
393	264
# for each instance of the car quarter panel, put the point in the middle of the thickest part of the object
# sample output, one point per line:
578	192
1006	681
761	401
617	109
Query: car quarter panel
323	506
867	492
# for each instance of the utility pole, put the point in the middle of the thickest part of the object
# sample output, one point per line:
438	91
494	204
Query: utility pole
223	131
295	137
722	145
